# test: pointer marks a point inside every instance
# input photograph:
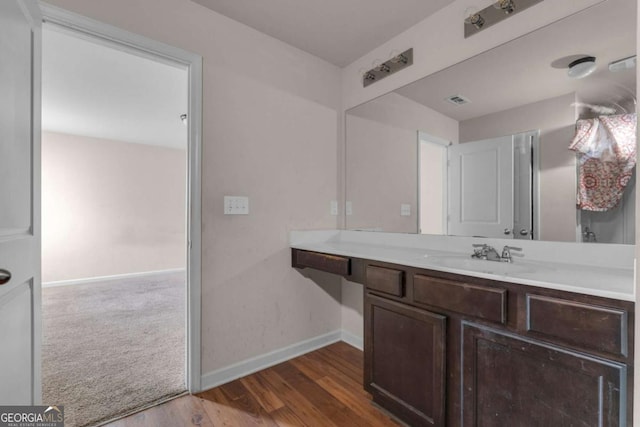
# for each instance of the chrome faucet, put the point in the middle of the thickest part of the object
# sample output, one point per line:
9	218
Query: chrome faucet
589	236
506	253
486	252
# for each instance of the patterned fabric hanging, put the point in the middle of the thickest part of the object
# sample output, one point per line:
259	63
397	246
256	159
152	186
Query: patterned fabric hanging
606	148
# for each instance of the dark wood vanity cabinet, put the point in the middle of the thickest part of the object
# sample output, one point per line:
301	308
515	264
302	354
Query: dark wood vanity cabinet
405	360
508	380
443	349
508	355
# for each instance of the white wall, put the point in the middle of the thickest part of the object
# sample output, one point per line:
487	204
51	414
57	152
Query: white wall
399	111
382	160
269	133
556	119
110	207
353	312
382	174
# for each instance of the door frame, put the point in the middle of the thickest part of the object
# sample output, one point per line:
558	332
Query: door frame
124	40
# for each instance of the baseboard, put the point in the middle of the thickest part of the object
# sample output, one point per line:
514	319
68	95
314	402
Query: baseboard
255	364
107	278
352	339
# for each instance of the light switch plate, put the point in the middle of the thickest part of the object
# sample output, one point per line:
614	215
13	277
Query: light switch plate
236	205
405	210
334	207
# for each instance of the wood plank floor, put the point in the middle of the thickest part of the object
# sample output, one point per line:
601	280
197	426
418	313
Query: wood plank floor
321	388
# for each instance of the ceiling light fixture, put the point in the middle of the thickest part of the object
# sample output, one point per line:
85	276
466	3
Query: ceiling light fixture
474	18
582	67
507	6
479	20
369	76
384	68
381	69
399	59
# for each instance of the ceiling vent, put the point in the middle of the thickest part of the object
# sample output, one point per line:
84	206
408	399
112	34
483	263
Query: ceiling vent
458	99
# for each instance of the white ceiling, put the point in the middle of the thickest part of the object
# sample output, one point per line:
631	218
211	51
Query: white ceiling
534	67
94	90
337	31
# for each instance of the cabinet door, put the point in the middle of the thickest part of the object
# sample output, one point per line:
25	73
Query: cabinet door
513	381
405	360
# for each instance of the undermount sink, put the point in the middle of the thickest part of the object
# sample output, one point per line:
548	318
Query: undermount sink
479	265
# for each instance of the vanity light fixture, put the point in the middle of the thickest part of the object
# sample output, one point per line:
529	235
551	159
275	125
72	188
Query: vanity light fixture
393	65
476	21
507	6
369	76
399	59
582	67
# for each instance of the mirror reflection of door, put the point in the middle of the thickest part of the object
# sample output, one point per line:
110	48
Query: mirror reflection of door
481	188
432	184
491	187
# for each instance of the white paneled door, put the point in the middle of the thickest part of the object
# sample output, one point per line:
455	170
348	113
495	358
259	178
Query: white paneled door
20	303
481	188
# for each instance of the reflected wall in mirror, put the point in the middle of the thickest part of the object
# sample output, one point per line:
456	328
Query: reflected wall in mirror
448	154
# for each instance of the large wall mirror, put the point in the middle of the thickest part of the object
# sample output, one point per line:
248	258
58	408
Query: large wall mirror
482	148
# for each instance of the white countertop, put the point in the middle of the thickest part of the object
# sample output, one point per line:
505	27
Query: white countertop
599	270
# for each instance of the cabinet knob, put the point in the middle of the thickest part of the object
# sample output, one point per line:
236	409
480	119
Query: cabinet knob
507	231
524	232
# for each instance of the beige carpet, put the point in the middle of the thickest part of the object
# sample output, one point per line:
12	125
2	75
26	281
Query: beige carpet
112	347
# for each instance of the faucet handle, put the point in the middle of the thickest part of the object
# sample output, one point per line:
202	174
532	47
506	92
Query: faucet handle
481	250
506	252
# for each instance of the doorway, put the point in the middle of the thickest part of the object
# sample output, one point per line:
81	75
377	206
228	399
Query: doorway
70	147
432	184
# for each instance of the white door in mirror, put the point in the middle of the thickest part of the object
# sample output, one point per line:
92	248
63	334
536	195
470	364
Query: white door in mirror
481	188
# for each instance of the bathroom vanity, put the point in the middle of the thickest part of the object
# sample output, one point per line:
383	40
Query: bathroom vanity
452	341
482	148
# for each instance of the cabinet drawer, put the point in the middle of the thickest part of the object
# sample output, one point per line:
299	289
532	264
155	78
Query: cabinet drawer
330	263
385	280
589	326
472	300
